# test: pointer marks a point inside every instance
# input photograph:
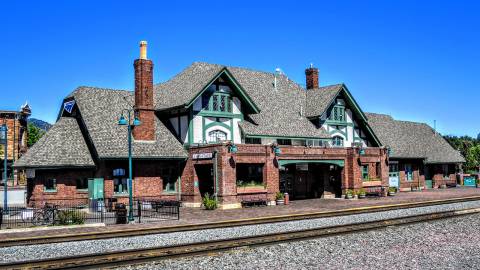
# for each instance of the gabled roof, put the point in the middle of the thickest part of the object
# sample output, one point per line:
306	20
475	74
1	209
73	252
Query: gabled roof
62	146
413	140
100	109
280	107
320	99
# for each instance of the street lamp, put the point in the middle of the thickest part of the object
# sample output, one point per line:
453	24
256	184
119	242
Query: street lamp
124	122
3	140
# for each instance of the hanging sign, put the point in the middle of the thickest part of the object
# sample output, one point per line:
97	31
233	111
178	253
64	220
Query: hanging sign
30	173
68	106
202	156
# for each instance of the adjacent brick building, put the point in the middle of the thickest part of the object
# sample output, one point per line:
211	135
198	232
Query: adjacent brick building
233	132
16	122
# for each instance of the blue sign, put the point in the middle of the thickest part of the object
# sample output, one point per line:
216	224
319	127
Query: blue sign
68	106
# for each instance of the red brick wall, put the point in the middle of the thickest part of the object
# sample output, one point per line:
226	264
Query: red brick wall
418	175
144	100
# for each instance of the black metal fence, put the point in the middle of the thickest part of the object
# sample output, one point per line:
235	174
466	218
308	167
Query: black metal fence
61	213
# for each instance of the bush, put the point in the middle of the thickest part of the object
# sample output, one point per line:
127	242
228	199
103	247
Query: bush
279	196
362	192
392	189
349	192
67	217
209	202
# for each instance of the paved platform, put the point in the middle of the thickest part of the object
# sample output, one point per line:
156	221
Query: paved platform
197	215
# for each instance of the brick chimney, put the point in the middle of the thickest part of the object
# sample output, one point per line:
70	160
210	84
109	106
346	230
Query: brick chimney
311	75
144	96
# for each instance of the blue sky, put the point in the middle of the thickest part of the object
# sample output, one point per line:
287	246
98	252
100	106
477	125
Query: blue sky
415	60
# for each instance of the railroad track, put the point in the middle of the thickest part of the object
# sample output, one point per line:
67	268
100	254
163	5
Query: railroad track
121	232
137	256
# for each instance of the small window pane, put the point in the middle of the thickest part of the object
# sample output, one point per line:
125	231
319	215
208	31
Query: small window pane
120	185
82	183
223	103
50	185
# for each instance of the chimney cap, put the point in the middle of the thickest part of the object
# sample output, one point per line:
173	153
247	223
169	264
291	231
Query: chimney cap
143	49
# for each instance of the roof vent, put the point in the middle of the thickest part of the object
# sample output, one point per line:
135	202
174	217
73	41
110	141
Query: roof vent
278	72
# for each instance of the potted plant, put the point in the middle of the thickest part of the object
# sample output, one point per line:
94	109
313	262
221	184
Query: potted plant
209	202
443	186
349	194
392	191
280	198
478	183
362	194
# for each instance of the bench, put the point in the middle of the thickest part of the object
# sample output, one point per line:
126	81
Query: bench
375	190
250	200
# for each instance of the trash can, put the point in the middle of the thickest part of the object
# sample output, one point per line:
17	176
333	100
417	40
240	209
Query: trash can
121	213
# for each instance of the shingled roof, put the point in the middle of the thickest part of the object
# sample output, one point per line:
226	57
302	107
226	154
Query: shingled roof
413	140
62	146
319	99
282	108
100	109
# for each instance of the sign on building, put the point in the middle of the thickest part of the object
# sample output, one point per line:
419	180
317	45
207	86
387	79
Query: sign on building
202	156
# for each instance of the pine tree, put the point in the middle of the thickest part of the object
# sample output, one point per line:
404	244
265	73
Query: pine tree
34	134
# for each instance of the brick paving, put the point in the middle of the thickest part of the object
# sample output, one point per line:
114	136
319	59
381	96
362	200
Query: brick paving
197	215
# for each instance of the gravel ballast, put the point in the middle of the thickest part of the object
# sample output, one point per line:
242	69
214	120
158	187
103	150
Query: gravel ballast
22	253
443	244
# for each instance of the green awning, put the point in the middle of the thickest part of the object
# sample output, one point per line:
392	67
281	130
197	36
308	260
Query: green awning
338	162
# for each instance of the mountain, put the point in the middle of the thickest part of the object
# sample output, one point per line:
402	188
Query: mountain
40	124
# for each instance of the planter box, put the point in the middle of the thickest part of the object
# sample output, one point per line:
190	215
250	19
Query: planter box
252	189
372	183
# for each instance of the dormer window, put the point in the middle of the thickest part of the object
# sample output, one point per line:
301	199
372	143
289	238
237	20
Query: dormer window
217	98
337	114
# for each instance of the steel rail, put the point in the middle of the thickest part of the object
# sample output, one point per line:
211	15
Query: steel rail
122	232
136	256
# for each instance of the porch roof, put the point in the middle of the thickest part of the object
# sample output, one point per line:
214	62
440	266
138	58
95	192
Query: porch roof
338	162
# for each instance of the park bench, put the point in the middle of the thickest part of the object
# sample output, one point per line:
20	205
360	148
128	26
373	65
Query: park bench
250	200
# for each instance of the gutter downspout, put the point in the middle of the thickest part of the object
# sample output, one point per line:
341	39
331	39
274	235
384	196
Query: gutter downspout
215	173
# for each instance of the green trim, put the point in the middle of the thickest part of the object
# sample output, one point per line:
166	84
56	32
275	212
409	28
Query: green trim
147	158
338	162
214	123
285	137
220	114
231	130
190	126
239	89
337	123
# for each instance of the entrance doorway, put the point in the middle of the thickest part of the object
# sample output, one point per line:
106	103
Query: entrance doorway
311	180
205	179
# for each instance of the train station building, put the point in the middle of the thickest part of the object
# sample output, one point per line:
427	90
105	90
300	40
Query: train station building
234	132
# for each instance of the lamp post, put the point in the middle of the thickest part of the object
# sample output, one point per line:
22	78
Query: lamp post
3	140
124	122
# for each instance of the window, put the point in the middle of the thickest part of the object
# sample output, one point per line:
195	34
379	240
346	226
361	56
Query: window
284	141
365	172
216	136
337	141
338	113
249	140
82	184
169	179
120	185
249	175
50	185
445	171
408	172
217	98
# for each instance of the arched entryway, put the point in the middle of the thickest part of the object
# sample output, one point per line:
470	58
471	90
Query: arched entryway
304	179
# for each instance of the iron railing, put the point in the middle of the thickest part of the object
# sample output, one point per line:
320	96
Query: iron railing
71	212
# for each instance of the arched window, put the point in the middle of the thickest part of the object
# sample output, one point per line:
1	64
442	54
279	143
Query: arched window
337	141
217	136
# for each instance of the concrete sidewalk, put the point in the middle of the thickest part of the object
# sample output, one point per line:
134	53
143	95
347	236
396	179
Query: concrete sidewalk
197	215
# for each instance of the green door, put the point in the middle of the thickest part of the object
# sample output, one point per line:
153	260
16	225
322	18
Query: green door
469	181
428	183
95	188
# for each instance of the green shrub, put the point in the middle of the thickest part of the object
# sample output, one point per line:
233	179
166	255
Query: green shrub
279	196
67	217
349	192
209	202
362	192
392	189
